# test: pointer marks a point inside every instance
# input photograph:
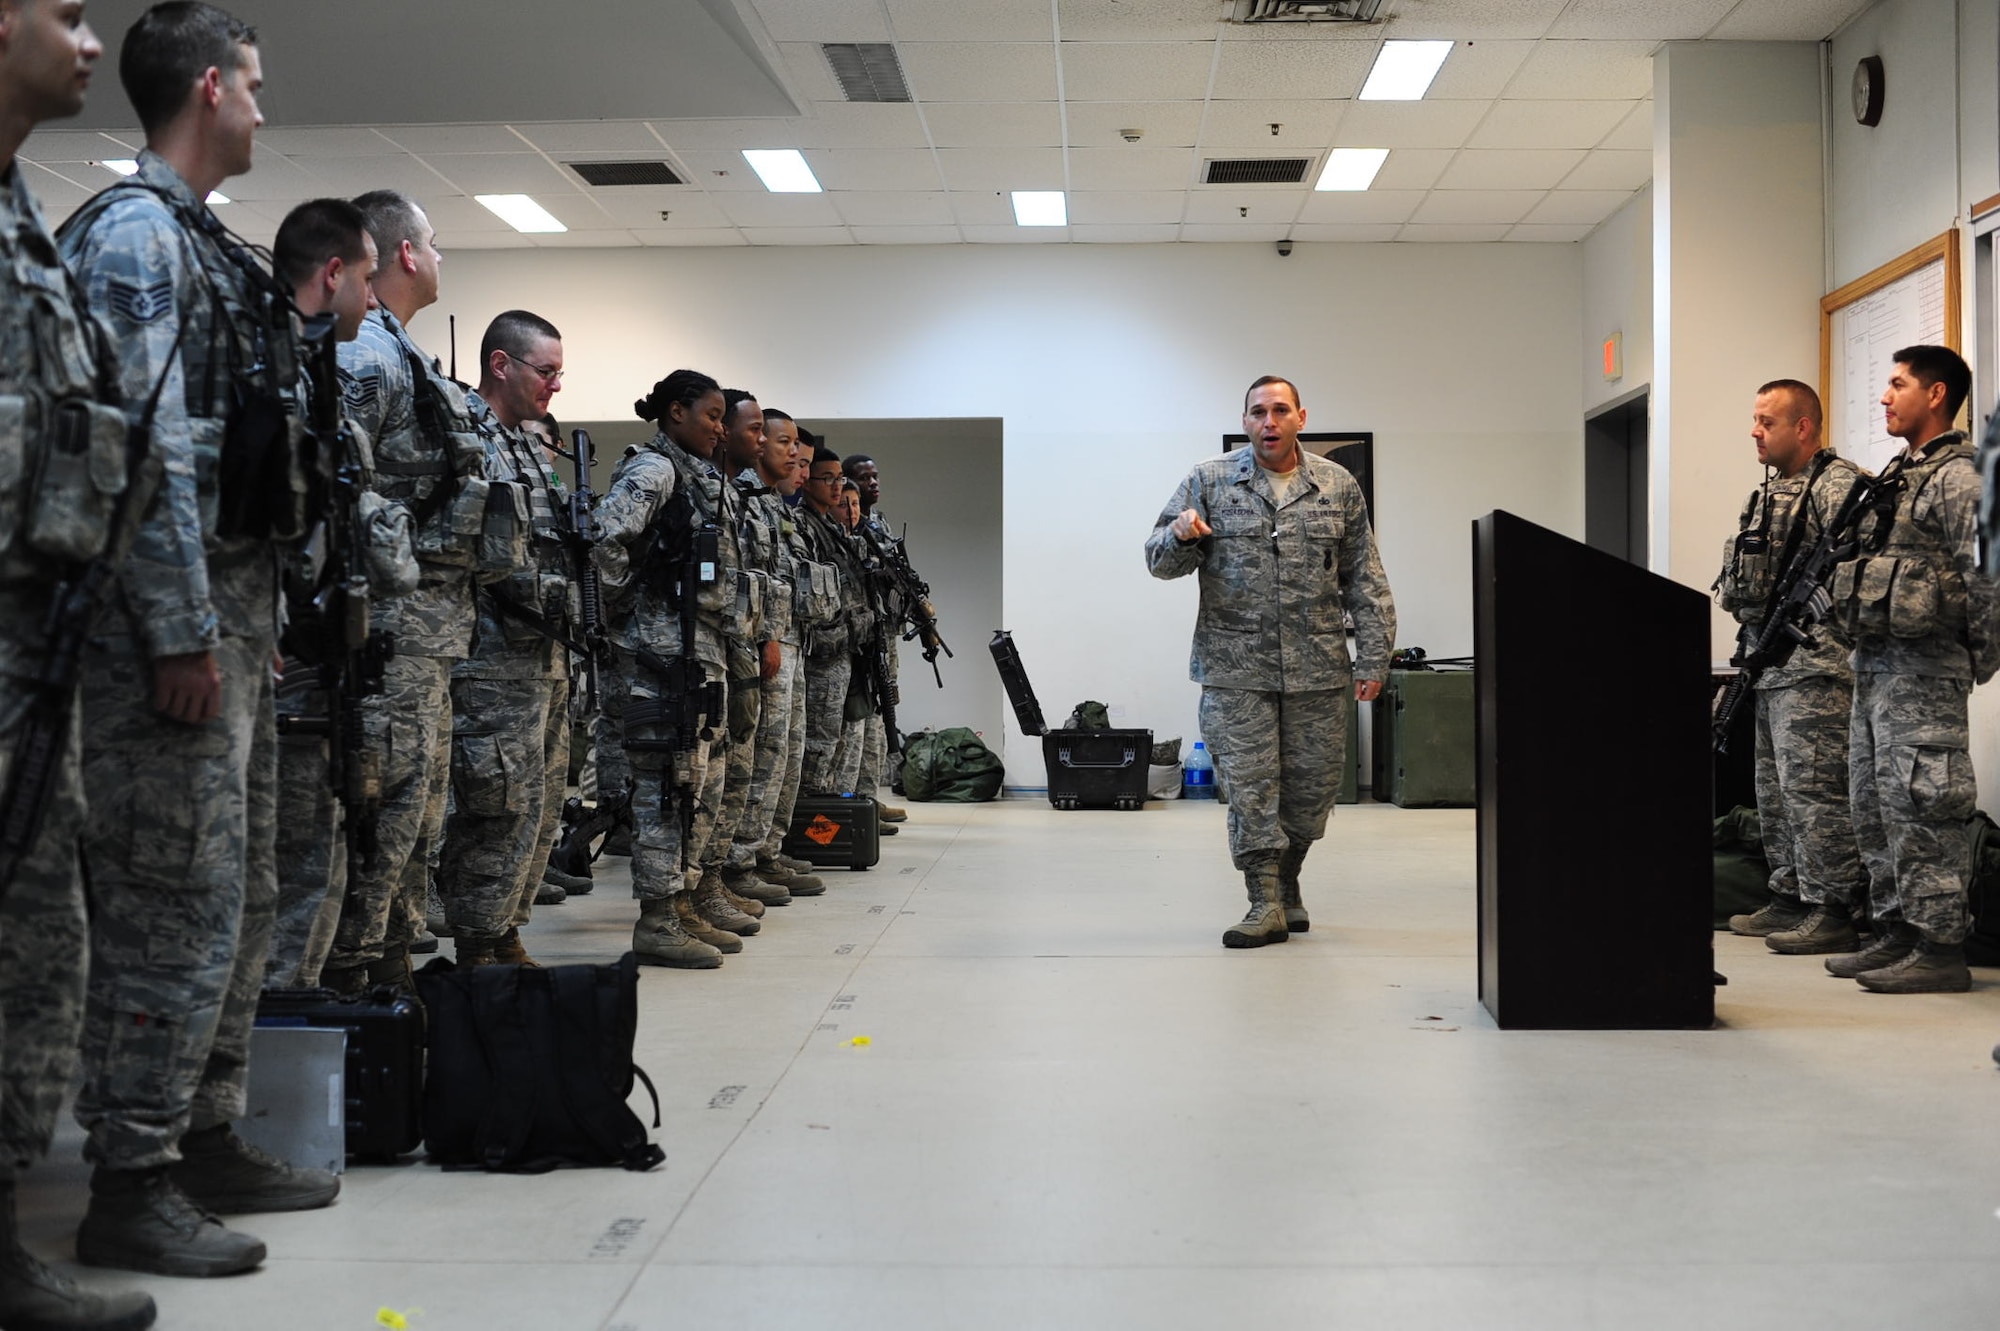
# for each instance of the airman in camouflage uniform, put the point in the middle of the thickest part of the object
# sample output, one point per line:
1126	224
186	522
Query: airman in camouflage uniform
179	724
1802	706
1281	541
510	698
660	498
430	458
830	658
51	352
872	769
1922	619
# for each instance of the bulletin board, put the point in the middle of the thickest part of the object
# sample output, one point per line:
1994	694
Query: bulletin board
1910	300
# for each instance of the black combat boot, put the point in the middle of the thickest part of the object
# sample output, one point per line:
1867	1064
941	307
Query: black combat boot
36	1297
223	1173
139	1221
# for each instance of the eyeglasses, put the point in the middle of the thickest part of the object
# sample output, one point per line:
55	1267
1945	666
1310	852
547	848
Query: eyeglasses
549	373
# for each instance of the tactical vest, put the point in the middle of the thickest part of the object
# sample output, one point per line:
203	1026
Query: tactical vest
544	585
1905	583
1754	558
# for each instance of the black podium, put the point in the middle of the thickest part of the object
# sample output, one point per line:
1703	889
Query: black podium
1595	828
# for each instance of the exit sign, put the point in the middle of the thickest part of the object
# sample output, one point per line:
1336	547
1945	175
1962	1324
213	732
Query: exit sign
1614	356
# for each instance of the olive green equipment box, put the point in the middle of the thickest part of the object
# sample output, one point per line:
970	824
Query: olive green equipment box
1424	740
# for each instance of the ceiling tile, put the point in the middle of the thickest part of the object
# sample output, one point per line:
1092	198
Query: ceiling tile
54	191
1456	235
987	21
811	77
349	176
1516	169
501	173
1538	124
1409	124
859	125
1361	206
1165	124
980	71
1609	168
1244	233
1273	207
327	143
1476	205
1002	168
798	235
905	235
1619	71
584	240
1571	206
779	210
595	136
1478	71
272	177
736	177
454	217
1123	21
1127	206
1643	20
823	20
876	168
1016	235
995	124
1127	233
1550	234
1488	18
1130	168
1635	131
1367	235
55	145
1259	70
1788	21
982	208
705	239
1302	125
1413	168
885	209
639	207
1138	71
426	140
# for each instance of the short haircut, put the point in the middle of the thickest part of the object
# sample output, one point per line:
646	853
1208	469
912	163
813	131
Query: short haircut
825	454
393	217
1934	365
848	484
313	233
1272	379
171	46
732	398
681	388
1805	399
514	332
773	414
852	462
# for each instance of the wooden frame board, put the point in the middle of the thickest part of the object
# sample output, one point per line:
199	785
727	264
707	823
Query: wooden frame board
1940	249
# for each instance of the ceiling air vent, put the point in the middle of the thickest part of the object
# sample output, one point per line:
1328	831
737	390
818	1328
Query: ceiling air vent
1254	170
868	71
1306	11
626	173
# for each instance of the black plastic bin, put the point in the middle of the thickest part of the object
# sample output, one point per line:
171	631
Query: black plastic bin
1097	769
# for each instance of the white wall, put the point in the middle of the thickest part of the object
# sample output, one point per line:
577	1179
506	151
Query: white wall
1618	298
1113	368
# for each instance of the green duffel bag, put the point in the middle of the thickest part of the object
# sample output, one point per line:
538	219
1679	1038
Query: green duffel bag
1742	875
950	766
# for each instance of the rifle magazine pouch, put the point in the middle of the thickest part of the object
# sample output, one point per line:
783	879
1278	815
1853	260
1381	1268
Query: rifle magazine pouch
455	535
503	530
1915	600
260	476
1747	578
385	545
822	593
1887	596
72	454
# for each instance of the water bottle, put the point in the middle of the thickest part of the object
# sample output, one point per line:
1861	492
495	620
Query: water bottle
1198	774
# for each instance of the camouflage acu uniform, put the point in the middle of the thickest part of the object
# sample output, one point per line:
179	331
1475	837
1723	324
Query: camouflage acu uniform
769	536
1270	648
816	609
1922	620
428	458
510	712
183	882
643	531
50	351
1803	706
830	657
311	853
872	767
742	645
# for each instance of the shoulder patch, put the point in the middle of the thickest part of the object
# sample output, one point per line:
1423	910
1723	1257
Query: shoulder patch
141	304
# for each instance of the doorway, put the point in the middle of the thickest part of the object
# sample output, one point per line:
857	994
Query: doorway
1615	478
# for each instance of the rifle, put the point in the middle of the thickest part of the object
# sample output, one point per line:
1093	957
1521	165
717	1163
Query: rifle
583	534
337	628
913	592
1798	602
884	686
581	826
691	705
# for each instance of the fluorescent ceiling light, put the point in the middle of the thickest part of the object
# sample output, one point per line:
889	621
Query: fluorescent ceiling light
520	212
1351	168
1404	70
1040	207
783	170
126	166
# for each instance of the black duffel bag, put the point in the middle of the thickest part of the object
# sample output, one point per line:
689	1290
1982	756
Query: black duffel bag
530	1067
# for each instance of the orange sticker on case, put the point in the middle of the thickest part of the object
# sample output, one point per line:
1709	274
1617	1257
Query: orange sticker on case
822	830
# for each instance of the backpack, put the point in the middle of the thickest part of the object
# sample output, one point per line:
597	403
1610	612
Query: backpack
1742	875
950	766
530	1067
1982	946
1089	716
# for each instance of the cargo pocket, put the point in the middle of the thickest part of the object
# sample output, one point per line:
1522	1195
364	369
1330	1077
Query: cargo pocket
1913	598
503	529
168	812
486	775
80	476
1941	785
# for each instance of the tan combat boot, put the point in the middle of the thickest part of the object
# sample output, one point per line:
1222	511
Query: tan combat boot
475	952
713	906
659	940
1266	921
34	1295
508	950
697	928
1289	864
747	883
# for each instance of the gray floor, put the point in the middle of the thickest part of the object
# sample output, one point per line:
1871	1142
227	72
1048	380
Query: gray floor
1009	1080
